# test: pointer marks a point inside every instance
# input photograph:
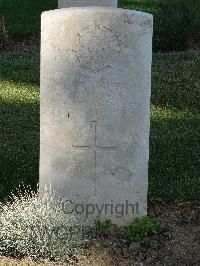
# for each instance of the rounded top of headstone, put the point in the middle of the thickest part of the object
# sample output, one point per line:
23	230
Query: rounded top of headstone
92	9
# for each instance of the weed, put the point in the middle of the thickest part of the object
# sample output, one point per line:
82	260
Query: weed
141	230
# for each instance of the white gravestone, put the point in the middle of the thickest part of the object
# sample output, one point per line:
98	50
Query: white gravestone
95	109
79	3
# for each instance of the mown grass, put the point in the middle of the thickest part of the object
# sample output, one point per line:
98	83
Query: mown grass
176	22
175	127
19	121
174	169
22	17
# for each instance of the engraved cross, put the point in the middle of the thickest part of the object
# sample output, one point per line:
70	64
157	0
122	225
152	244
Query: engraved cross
95	148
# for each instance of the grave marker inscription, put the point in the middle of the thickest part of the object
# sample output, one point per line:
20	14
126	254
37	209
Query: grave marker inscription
95	107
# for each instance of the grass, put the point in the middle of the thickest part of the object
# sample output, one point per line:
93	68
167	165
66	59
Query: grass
175	126
176	22
19	121
174	172
23	16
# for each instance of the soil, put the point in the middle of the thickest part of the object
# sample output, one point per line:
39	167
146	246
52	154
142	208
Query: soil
178	242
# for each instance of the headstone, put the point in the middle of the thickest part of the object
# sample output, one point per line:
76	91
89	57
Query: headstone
95	109
81	3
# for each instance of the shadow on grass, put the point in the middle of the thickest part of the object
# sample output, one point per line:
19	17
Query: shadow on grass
138	4
19	146
175	81
21	68
174	168
23	16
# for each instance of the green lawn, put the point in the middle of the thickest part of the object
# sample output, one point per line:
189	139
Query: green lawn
19	121
175	125
23	16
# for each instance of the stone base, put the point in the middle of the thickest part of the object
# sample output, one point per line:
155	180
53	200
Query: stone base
82	3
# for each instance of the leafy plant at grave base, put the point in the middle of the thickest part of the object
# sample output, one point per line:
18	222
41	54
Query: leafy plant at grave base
106	226
142	230
37	226
3	35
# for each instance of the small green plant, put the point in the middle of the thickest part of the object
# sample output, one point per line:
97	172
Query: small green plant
106	226
142	230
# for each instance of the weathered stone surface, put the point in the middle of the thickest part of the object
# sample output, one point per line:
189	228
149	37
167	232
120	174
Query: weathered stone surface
95	108
81	3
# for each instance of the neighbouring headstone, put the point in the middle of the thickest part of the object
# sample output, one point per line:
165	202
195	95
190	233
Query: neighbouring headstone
95	109
81	3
